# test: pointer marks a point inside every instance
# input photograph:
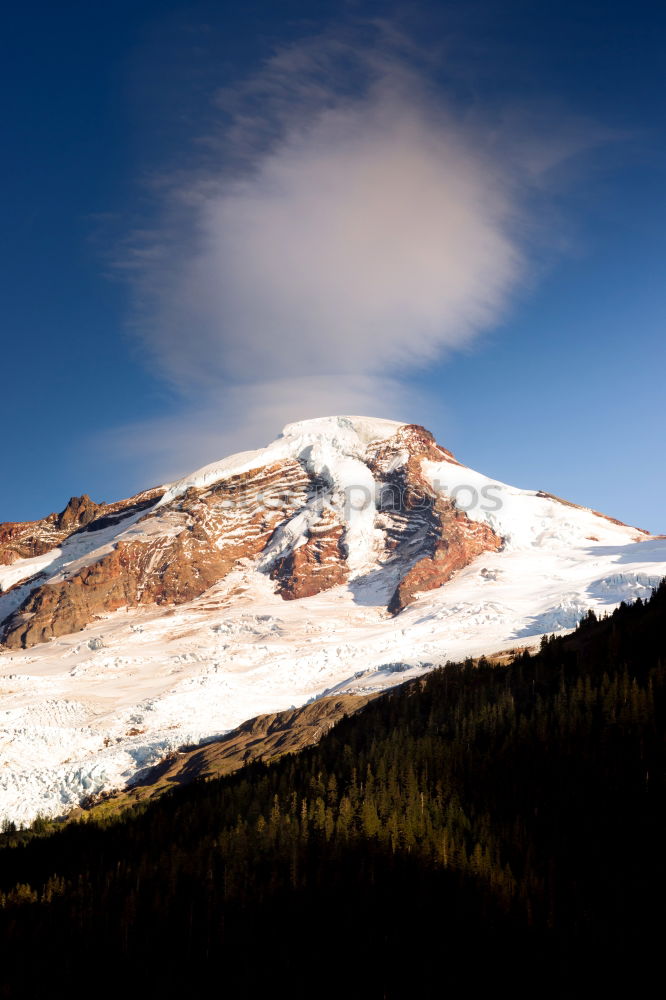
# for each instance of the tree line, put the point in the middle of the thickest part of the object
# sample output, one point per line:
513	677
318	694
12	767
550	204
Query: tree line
484	826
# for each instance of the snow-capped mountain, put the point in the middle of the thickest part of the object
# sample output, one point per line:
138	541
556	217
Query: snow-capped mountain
348	555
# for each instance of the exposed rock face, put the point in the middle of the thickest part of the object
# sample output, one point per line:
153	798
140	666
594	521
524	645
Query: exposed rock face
426	536
134	573
25	539
280	517
78	512
414	443
460	541
188	546
265	737
316	565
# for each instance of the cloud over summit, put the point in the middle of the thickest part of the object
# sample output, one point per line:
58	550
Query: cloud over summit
347	228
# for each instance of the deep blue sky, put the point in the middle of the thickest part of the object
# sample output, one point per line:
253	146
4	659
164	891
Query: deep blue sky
566	394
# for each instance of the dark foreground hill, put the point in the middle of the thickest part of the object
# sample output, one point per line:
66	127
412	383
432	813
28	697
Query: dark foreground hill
487	828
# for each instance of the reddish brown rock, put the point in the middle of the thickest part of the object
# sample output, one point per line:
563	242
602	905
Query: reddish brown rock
232	520
415	443
187	546
78	512
460	541
427	537
317	565
25	539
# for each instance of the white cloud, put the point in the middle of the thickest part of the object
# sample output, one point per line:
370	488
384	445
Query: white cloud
347	229
243	417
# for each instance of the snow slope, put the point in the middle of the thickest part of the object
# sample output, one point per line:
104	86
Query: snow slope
86	712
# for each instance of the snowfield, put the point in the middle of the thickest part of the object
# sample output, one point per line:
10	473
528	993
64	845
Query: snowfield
88	712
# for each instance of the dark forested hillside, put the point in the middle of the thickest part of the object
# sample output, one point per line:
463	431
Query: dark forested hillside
489	827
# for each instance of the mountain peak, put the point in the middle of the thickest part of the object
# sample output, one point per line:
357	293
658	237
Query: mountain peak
365	428
349	553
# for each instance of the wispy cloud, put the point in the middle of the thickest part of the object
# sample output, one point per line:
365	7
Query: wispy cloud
348	227
241	417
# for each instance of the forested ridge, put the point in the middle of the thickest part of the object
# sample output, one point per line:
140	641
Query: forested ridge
484	827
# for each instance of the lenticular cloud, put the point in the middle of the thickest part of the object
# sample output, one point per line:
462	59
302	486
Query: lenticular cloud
335	236
368	239
368	243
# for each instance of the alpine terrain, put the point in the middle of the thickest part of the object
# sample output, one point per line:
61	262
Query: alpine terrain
348	556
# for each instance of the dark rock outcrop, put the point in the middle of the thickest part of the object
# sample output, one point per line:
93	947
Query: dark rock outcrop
175	552
317	565
25	539
426	535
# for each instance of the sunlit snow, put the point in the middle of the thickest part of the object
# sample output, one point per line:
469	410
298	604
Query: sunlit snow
87	712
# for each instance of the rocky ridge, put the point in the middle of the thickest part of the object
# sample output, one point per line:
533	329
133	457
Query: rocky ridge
26	539
289	517
349	555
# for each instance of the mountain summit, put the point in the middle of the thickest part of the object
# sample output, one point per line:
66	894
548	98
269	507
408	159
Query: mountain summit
346	555
331	502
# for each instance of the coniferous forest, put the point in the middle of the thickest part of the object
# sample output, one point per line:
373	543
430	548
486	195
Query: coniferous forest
485	828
